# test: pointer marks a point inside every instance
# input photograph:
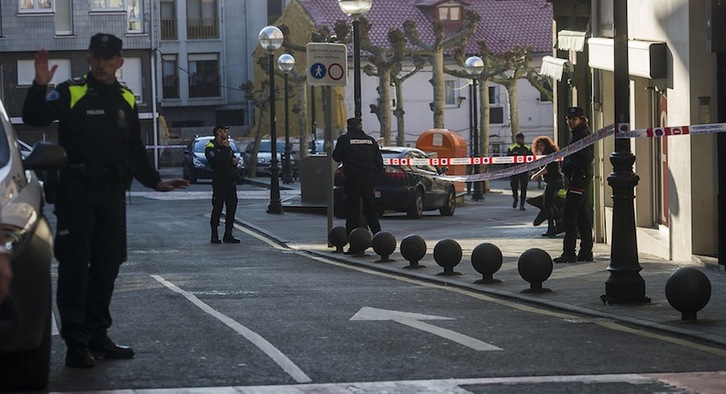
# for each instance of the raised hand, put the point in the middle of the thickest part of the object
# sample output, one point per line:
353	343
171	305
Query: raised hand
43	74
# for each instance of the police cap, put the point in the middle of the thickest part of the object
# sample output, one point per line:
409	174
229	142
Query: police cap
352	122
219	128
106	44
575	112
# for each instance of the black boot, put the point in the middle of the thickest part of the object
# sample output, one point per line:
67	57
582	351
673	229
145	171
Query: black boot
215	235
229	239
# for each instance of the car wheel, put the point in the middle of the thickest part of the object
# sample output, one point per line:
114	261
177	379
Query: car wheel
450	205
28	370
415	211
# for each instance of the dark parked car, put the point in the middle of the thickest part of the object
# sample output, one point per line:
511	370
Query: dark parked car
406	188
264	155
195	165
25	315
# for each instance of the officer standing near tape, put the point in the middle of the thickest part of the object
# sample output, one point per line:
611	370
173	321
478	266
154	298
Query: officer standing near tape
577	168
98	126
361	160
224	183
519	182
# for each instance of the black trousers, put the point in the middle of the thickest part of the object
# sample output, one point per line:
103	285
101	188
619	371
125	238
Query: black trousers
90	245
358	193
224	193
517	182
554	216
577	219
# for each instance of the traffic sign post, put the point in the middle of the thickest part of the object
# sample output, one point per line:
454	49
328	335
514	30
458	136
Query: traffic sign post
327	64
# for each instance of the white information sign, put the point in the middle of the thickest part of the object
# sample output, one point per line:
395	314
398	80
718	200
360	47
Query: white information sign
327	64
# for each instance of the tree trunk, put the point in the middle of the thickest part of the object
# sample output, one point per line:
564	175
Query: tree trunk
437	81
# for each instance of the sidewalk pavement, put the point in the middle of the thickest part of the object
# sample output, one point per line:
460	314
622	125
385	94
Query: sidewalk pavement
575	288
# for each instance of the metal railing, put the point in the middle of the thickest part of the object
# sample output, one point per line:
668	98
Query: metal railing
203	28
168	29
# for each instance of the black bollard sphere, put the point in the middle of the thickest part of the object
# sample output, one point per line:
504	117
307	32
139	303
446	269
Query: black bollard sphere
535	266
359	240
338	237
384	243
688	290
486	258
413	249
447	254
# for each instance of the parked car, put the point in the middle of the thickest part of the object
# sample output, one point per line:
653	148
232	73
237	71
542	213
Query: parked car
25	314
195	165
264	157
405	188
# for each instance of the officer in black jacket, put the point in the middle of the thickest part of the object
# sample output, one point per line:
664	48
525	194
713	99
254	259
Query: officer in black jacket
98	126
224	183
519	182
577	168
361	160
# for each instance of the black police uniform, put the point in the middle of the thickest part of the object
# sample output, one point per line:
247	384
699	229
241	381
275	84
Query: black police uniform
519	181
224	187
99	129
361	160
577	168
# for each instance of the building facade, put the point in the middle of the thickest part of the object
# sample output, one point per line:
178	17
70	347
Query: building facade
673	71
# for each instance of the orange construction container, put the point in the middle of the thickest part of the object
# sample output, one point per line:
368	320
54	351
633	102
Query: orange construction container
445	143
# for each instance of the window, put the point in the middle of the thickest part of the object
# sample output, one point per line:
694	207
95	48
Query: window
63	18
496	115
202	19
493	95
131	76
450	11
451	88
204	75
26	71
134	16
168	20
35	6
108	5
170	83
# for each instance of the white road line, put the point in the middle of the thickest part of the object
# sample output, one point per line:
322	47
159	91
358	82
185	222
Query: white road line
277	356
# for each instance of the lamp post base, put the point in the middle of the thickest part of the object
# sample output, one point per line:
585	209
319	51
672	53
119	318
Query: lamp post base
275	205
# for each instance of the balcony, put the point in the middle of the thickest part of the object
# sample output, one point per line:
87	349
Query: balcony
168	29
199	28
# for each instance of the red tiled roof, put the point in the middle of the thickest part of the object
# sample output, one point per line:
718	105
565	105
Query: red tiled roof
504	24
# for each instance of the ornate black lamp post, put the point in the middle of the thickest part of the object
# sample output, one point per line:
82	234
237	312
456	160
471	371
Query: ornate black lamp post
286	63
625	285
474	66
356	9
270	39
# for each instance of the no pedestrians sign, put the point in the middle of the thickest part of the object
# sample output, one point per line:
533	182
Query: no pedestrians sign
327	64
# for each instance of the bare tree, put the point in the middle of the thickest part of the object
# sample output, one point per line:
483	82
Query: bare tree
517	63
398	79
435	51
260	99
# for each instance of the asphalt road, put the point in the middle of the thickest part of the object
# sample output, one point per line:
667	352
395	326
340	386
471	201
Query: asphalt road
259	314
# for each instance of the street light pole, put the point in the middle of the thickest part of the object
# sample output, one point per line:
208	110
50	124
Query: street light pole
286	63
474	65
625	285
270	39
356	9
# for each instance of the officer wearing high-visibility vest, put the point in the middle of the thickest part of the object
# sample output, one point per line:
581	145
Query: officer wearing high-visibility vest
224	183
98	126
519	182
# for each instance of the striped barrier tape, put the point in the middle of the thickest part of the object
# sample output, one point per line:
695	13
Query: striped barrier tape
165	146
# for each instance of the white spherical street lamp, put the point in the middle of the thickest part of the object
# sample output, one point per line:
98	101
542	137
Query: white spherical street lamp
286	63
474	67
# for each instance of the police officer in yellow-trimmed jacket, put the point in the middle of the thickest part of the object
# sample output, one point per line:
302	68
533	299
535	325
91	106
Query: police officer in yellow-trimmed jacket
519	182
224	183
98	126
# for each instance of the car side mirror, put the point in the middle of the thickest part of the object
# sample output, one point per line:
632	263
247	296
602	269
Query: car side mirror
46	156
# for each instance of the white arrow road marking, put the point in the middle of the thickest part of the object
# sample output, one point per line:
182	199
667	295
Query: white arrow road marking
277	356
414	320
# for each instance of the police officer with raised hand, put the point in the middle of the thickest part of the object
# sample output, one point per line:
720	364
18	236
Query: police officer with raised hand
98	126
224	183
577	168
361	160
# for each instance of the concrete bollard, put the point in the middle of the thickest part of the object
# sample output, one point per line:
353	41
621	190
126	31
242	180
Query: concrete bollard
688	290
447	254
384	243
413	249
486	258
338	237
535	266
359	240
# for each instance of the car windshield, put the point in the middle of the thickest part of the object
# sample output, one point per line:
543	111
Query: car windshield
199	145
4	147
265	146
